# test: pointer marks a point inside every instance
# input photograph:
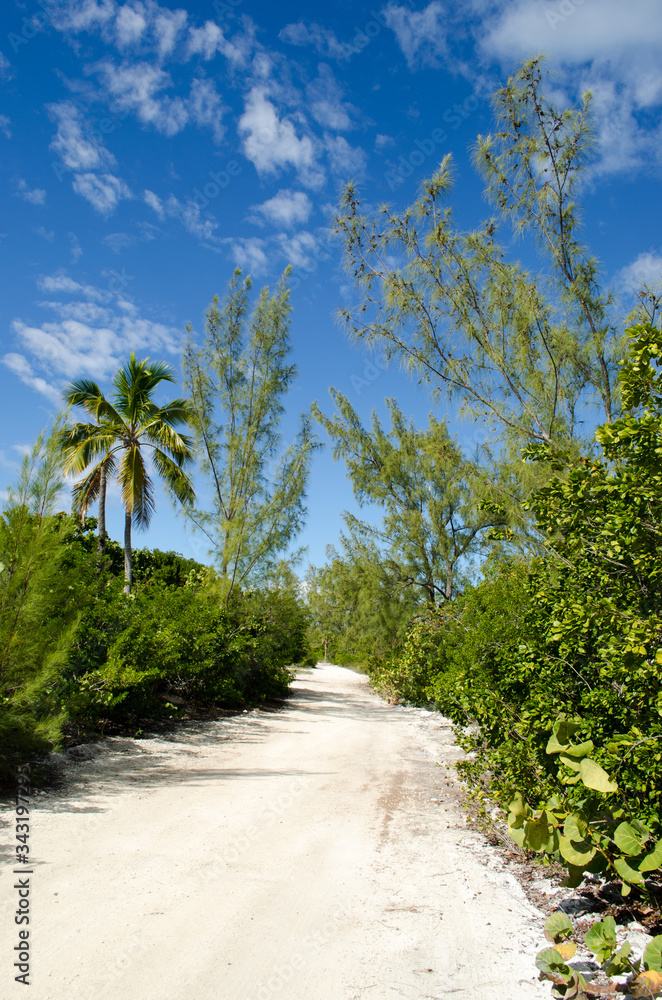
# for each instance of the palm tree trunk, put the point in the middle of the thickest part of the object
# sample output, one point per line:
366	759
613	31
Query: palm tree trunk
101	544
128	554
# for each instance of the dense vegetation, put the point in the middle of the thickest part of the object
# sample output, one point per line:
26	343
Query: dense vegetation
95	637
551	615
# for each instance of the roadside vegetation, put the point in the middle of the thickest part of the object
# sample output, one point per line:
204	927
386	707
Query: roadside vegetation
96	637
517	588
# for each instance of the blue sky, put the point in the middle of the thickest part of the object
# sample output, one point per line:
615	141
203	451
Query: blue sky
148	148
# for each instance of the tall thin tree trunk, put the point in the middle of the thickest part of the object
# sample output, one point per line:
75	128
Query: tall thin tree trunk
128	554
101	544
449	581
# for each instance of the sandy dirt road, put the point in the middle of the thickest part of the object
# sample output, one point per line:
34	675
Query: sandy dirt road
313	852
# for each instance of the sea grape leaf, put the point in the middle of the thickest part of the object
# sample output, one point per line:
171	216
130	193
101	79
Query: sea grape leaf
558	927
653	954
596	777
601	939
630	840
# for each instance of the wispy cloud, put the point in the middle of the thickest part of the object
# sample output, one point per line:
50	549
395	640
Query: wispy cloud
325	99
206	107
345	160
136	87
188	212
250	254
72	141
5	124
604	46
130	24
316	35
421	34
21	367
93	332
103	191
646	269
36	196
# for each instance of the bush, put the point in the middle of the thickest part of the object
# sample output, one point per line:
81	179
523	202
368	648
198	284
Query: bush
576	636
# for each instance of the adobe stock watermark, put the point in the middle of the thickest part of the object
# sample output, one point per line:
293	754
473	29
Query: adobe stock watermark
226	8
36	24
219	180
283	972
367	34
558	13
453	117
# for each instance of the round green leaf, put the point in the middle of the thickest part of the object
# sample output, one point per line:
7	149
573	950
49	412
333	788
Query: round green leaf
558	927
629	840
653	954
576	852
652	861
550	962
596	777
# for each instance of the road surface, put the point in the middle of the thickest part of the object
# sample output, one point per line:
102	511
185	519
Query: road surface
316	852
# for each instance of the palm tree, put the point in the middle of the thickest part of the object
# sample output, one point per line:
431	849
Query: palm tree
116	444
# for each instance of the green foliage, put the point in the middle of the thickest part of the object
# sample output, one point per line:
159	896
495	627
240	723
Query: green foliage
136	657
238	379
358	613
588	833
644	975
44	587
524	351
576	635
435	502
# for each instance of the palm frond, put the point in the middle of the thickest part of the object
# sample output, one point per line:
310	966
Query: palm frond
174	477
136	487
85	492
179	446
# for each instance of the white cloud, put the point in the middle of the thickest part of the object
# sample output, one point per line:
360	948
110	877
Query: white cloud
72	142
92	335
383	141
167	25
4	126
130	24
4	65
76	248
46	234
36	196
607	47
420	34
321	38
249	254
154	203
21	367
118	241
324	97
81	15
206	41
61	282
301	250
103	191
271	143
135	86
189	213
574	32
346	160
645	270
206	107
286	209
